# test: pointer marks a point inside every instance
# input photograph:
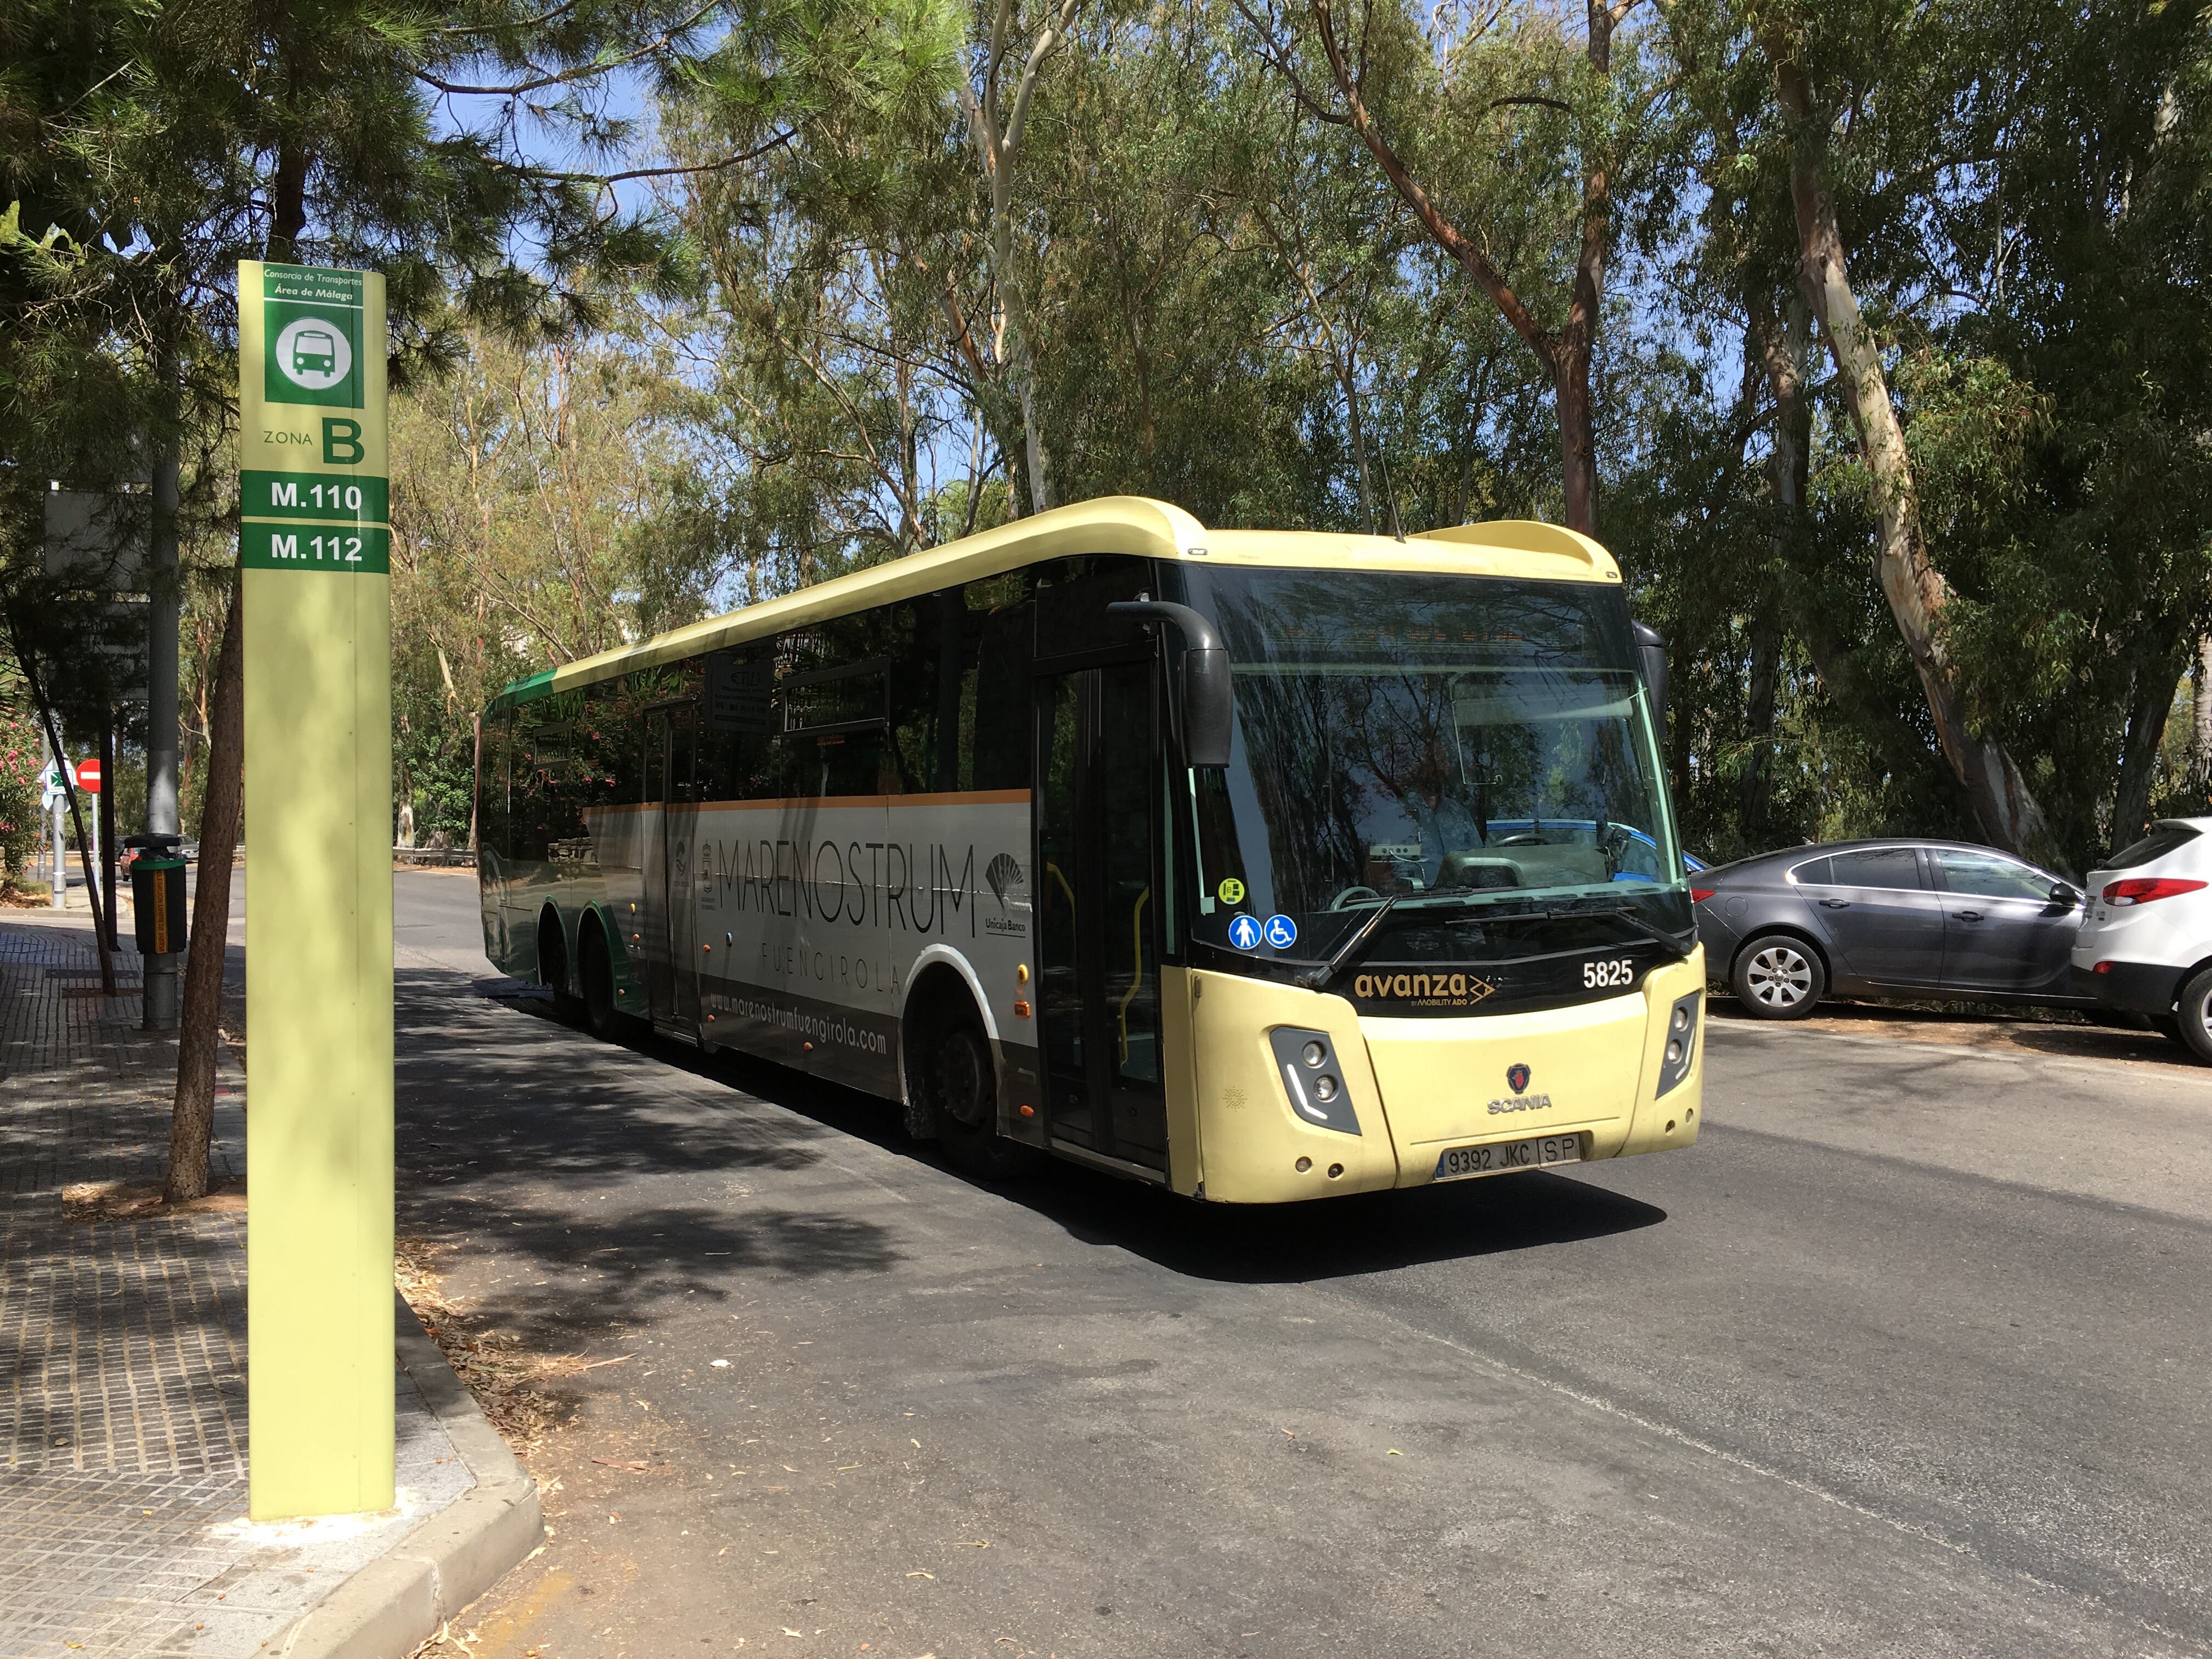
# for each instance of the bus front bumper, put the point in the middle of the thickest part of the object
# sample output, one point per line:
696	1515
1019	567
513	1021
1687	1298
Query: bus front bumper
1416	1089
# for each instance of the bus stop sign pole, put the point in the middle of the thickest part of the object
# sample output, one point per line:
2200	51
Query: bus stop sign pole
315	548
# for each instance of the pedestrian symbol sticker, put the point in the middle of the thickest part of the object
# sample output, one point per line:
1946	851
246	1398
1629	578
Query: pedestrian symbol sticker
1231	890
1244	932
1282	933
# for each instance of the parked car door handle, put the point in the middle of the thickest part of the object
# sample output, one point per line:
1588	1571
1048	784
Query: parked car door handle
1970	915
1835	904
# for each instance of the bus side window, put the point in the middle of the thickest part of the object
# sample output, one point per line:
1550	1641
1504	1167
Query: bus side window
995	699
735	758
924	642
611	746
492	767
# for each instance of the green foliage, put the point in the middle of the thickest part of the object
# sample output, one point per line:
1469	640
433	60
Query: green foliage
802	356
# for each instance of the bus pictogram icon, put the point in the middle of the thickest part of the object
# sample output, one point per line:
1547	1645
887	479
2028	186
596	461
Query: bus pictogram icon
314	351
315	354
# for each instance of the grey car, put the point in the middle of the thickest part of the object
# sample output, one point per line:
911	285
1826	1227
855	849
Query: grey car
1887	918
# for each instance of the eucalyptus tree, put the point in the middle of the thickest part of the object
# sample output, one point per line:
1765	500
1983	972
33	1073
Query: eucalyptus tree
1432	96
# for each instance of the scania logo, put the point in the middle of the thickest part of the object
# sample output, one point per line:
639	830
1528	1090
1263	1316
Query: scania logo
1516	1078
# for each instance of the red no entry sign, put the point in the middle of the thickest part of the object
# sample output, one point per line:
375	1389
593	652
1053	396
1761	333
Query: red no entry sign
87	776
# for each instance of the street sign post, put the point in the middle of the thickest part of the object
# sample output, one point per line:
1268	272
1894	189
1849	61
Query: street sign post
315	546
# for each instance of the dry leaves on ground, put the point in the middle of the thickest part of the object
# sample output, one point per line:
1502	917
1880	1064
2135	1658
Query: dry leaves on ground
508	1381
141	1200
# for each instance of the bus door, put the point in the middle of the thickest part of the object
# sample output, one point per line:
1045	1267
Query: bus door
671	891
1097	908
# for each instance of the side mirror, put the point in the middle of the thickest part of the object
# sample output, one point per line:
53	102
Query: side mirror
1652	658
2064	895
1209	701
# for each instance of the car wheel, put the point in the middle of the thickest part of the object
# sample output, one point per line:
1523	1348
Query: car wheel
2195	1015
1778	976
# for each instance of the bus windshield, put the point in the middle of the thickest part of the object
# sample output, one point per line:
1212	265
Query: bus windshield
1445	743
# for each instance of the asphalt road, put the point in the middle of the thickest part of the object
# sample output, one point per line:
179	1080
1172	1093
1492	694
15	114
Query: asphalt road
1908	1356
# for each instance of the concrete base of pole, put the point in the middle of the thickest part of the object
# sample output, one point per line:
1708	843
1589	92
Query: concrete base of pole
164	992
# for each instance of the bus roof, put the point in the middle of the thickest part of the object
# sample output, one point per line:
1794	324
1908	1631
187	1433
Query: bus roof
1132	524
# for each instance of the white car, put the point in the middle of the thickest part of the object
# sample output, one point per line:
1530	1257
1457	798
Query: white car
2145	942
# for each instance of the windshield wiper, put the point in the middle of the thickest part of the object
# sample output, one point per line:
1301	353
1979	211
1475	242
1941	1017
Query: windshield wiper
1627	914
1315	978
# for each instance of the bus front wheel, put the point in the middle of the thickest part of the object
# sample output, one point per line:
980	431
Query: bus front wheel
964	1088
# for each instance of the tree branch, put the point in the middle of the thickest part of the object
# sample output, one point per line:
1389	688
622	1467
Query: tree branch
580	72
1279	60
1446	234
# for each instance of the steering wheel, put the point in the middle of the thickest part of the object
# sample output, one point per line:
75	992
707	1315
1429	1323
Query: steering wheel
1613	841
1352	895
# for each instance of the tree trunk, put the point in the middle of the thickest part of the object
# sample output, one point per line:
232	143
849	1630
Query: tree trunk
1345	378
1570	366
287	203
53	731
1024	367
1778	349
2200	736
2158	676
193	1119
1919	597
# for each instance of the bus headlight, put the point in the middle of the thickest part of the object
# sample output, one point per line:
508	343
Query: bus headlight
1312	1078
1681	1043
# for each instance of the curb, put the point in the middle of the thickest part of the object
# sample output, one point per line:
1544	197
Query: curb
398	1601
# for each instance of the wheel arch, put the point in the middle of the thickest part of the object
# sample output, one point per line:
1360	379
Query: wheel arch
940	976
1789	930
2187	974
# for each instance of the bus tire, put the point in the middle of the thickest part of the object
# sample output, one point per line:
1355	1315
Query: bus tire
1778	976
553	966
963	1092
595	967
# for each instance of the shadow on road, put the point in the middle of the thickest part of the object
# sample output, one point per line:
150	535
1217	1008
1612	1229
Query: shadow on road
1362	1233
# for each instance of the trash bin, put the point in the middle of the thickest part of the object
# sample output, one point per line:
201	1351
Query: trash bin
157	895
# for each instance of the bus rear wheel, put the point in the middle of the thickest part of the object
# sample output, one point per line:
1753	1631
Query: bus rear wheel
964	1088
553	967
606	1021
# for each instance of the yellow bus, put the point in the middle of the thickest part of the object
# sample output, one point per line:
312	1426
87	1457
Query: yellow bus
1261	866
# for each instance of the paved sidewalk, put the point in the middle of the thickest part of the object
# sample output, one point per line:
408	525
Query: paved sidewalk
122	1423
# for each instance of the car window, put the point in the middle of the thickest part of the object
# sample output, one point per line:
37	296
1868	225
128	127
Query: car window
1813	872
2163	839
1985	875
1879	866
